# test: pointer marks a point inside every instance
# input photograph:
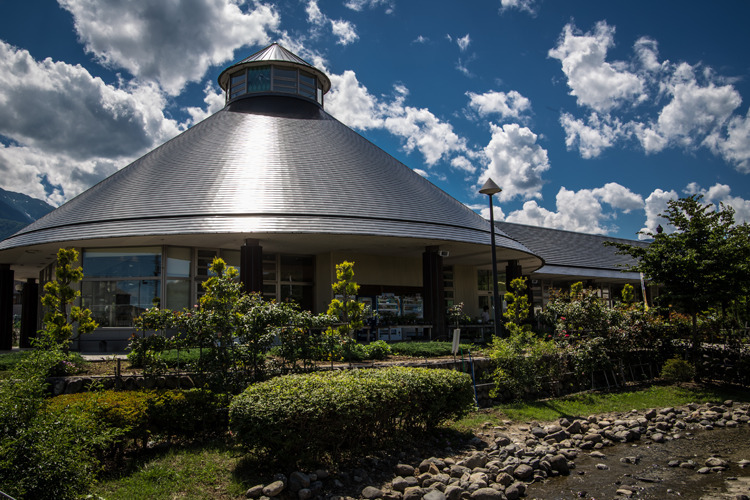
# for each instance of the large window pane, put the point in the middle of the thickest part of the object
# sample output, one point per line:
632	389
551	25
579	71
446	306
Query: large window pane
178	262
301	294
178	294
122	262
259	79
116	303
296	268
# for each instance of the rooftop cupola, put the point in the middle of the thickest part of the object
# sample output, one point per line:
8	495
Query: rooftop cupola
274	71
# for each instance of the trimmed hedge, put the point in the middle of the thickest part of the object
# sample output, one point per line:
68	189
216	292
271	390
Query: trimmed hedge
309	415
138	415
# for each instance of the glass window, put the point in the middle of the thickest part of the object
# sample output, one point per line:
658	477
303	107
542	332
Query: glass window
269	267
306	79
178	262
301	294
178	294
285	74
259	79
232	258
116	303
122	262
296	268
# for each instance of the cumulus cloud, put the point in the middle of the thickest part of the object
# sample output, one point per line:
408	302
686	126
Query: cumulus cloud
695	113
506	104
721	194
344	30
351	103
580	211
172	42
691	107
656	204
522	5
112	125
515	161
214	99
596	83
463	163
592	136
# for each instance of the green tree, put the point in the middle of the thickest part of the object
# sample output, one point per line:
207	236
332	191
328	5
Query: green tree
344	308
517	311
705	262
62	319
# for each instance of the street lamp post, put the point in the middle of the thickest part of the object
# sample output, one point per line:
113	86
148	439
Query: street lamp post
490	188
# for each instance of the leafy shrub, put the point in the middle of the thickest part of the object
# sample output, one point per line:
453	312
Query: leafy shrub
44	454
678	370
377	350
309	415
141	414
523	363
426	349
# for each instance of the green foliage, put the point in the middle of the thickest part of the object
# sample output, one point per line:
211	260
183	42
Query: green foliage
344	309
523	363
61	319
43	454
139	415
230	329
628	294
517	312
427	349
308	416
705	262
678	370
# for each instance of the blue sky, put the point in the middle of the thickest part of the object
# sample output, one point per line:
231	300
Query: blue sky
590	115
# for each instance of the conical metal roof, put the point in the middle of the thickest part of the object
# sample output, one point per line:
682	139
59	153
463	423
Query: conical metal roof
266	165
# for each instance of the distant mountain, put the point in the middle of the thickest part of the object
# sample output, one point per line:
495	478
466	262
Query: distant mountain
18	210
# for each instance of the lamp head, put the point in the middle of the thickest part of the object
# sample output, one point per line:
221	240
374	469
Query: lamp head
489	188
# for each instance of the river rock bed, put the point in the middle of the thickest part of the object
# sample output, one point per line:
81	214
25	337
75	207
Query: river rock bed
500	462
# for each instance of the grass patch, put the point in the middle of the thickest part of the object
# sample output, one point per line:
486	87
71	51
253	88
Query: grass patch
208	471
583	405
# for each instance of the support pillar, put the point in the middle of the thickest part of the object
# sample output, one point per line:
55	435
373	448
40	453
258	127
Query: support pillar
434	295
29	312
6	307
251	266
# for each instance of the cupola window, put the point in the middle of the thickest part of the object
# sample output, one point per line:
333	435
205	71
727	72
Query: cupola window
261	79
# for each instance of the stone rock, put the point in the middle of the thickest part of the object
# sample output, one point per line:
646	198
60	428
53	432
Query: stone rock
254	492
487	494
559	464
475	460
305	494
434	495
403	470
523	472
400	484
371	492
624	492
274	489
704	470
453	492
413	493
716	462
297	481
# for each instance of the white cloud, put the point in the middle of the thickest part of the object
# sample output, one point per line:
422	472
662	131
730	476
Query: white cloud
508	105
351	103
497	212
721	193
594	82
421	172
314	15
345	32
593	136
735	148
214	99
421	39
579	211
523	5
172	42
111	127
516	161
695	114
463	163
648	54
359	5
463	42
656	204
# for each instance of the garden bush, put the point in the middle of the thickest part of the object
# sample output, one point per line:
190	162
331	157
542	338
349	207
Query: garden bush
678	370
309	416
427	349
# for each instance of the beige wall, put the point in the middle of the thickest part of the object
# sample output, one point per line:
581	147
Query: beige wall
465	289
